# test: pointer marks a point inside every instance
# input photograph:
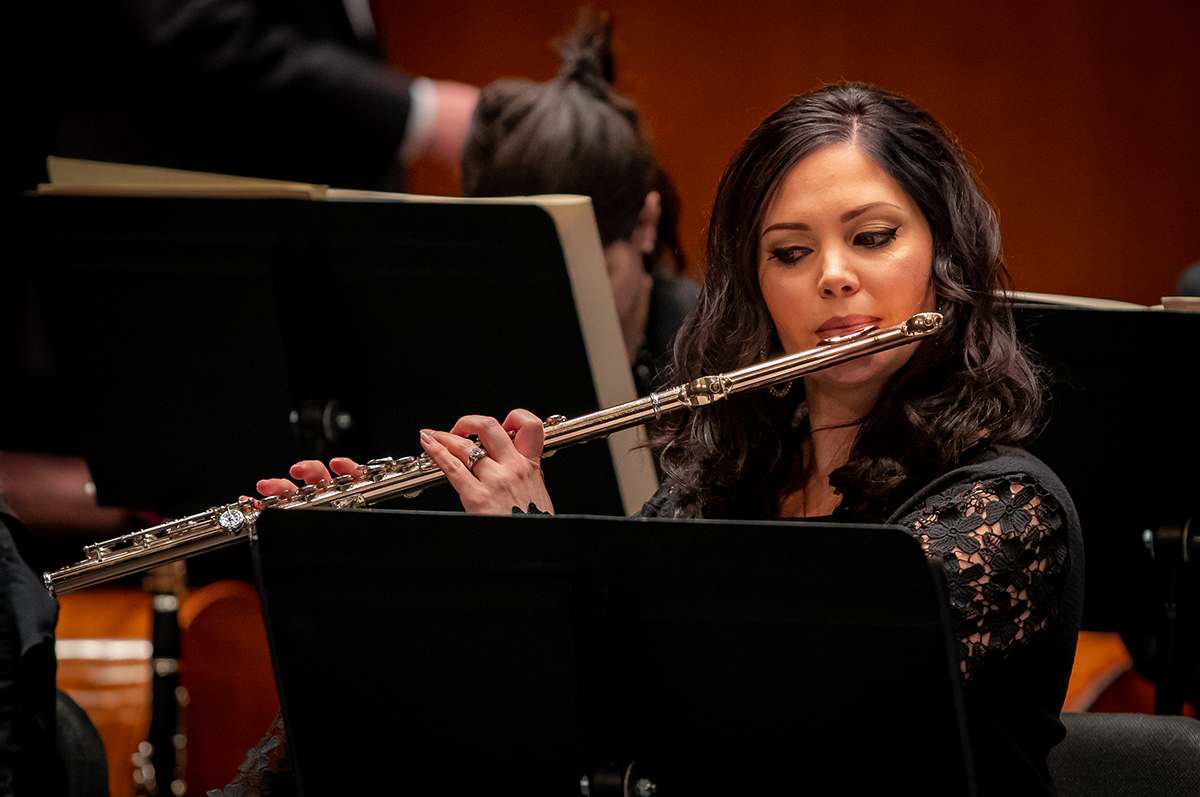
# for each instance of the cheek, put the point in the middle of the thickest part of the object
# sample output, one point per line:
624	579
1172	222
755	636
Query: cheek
784	293
926	300
775	297
912	288
924	276
908	298
789	325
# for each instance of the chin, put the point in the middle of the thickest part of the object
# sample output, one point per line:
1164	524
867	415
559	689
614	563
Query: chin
871	371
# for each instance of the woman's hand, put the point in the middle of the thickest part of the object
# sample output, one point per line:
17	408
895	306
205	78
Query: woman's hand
310	471
503	470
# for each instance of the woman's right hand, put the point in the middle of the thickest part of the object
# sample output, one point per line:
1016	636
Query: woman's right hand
494	467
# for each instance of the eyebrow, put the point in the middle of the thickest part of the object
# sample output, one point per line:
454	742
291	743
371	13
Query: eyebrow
853	213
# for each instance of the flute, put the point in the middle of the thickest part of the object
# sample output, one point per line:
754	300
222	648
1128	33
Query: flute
381	479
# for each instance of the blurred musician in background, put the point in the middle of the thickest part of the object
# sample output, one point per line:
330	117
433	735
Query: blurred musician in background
575	135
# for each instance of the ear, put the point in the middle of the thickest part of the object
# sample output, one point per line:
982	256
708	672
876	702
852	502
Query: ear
645	235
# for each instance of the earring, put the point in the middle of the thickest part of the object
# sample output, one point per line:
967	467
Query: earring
777	391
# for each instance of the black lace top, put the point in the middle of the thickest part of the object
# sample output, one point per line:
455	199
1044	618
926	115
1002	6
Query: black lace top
1002	544
1008	537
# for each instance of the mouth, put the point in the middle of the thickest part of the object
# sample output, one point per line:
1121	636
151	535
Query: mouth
840	326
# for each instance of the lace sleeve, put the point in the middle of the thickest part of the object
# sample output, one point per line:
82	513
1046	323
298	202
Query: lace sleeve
1002	544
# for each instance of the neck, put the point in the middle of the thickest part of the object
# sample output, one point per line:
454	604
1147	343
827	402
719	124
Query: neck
835	414
833	405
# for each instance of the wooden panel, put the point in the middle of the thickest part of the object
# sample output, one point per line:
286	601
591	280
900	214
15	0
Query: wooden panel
104	665
225	666
1082	116
229	695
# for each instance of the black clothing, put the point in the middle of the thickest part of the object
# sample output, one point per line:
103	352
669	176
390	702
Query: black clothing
1007	535
262	88
29	759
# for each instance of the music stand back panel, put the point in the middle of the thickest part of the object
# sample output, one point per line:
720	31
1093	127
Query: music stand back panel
528	652
1122	431
183	330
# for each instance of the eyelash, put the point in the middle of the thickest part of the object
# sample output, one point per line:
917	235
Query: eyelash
872	239
887	235
785	255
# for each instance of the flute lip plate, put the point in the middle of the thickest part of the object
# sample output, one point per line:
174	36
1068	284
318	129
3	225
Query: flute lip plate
848	337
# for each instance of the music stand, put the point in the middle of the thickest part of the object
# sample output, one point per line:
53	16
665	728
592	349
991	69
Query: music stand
462	654
1123	432
191	330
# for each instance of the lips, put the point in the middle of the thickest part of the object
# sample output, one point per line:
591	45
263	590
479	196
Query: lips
845	325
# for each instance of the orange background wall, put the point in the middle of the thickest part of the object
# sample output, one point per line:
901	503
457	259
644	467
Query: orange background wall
1083	116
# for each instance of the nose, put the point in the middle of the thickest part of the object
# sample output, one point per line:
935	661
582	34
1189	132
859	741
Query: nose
838	278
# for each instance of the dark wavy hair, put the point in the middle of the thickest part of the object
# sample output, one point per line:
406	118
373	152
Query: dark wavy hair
570	135
972	381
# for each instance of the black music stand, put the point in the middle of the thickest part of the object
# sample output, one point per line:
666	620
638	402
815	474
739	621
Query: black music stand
1123	434
189	347
458	654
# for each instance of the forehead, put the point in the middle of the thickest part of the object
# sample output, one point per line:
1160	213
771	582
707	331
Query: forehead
832	180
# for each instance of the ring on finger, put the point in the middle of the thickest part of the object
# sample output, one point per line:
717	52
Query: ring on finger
476	454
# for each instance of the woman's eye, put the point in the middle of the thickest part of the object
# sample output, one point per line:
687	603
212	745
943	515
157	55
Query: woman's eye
789	255
876	239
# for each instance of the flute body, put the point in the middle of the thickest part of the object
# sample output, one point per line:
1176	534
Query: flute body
386	478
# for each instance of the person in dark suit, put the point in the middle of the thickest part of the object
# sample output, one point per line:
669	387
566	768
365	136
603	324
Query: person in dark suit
283	89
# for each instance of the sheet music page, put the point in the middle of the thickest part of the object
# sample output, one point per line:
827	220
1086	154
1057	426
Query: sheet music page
73	176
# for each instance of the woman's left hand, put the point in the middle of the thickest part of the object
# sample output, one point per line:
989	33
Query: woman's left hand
503	470
310	471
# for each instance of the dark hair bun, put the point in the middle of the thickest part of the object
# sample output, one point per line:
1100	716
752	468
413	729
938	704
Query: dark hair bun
586	53
570	135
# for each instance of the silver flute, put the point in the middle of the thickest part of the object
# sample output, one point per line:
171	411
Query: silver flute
381	479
